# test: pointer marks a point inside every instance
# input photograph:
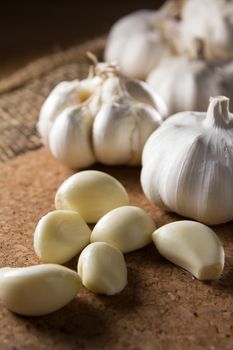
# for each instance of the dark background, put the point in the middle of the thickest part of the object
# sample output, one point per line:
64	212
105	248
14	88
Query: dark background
31	29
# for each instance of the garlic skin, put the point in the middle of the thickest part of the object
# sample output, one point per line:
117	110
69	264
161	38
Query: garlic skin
124	127
193	246
70	137
186	84
102	269
92	194
99	119
139	41
60	235
211	21
188	164
127	228
38	290
65	94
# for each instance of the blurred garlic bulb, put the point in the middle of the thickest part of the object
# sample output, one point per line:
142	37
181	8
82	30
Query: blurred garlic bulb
105	118
188	164
185	83
211	21
138	41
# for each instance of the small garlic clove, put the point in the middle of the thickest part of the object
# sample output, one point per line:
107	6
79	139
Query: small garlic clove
102	269
92	194
60	235
63	95
121	129
70	137
193	246
38	290
127	228
142	92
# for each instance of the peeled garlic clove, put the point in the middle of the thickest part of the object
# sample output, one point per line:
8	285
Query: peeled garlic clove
127	228
63	95
38	290
92	194
193	246
70	137
121	129
60	235
102	269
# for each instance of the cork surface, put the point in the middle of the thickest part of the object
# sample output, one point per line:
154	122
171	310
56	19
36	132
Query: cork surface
162	307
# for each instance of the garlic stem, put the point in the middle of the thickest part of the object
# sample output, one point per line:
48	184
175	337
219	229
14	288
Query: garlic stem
217	113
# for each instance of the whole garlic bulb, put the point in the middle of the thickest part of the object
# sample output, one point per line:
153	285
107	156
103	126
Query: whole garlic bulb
138	41
105	118
188	164
186	83
211	21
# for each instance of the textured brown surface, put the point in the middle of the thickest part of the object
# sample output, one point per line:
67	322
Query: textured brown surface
161	308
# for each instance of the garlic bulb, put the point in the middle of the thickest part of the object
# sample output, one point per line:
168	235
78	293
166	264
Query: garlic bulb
138	41
188	164
105	118
186	84
211	21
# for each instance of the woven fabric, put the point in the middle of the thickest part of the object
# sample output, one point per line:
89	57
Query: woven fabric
22	95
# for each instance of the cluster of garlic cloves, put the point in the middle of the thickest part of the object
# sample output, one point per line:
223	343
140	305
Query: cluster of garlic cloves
188	164
105	118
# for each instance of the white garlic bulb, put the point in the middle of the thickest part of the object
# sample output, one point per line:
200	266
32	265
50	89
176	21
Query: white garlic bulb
188	164
186	83
105	118
138	41
211	21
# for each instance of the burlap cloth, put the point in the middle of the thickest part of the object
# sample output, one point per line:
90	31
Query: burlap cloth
162	307
22	94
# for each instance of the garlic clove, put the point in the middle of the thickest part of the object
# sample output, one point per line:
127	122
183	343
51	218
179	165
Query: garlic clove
60	235
124	126
38	290
143	93
102	269
127	228
63	95
92	194
70	137
193	246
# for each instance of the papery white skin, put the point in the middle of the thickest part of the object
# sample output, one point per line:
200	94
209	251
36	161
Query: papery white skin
38	290
139	41
188	164
133	122
193	246
65	94
186	84
107	115
70	139
102	268
211	21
